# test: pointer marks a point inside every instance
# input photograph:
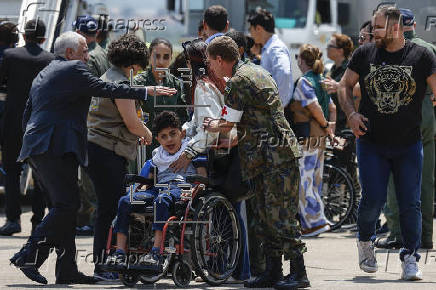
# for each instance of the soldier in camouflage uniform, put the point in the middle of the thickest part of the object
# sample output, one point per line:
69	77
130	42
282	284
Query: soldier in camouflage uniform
269	155
153	106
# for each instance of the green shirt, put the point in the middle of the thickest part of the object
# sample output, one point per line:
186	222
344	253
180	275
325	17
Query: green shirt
265	138
98	62
155	105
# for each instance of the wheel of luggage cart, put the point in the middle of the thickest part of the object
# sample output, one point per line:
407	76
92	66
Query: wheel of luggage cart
129	279
216	244
182	273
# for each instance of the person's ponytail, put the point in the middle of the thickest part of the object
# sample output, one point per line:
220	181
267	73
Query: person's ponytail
318	66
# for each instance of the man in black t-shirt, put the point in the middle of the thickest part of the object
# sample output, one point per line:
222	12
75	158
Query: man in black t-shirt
393	74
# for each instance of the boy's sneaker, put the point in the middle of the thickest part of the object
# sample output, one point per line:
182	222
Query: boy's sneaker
116	262
410	270
152	258
106	276
367	260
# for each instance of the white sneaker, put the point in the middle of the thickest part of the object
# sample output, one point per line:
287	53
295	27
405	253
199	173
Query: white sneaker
367	260
410	270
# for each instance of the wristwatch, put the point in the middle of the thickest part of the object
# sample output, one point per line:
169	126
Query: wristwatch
326	126
189	155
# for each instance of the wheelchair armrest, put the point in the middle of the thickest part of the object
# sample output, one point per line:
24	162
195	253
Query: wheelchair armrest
133	178
197	179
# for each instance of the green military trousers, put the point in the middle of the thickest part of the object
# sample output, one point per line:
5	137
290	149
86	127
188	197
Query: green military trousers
276	195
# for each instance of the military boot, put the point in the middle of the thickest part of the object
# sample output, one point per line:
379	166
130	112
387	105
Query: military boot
273	273
297	278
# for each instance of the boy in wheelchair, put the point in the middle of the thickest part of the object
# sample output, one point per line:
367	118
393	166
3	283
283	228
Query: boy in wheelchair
170	136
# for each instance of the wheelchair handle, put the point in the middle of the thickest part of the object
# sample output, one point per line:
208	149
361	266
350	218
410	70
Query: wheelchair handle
133	178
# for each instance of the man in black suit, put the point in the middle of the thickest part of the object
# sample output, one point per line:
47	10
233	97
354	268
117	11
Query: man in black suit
55	143
18	69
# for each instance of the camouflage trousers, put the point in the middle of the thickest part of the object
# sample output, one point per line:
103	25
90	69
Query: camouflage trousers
276	194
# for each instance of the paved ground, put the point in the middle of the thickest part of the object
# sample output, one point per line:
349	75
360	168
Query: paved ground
331	261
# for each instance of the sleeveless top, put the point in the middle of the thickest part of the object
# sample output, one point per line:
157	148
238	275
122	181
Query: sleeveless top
106	127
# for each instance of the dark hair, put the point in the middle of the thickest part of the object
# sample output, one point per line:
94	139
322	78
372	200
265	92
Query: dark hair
365	24
240	40
392	13
263	18
312	57
344	41
34	30
165	119
159	40
225	47
200	26
128	50
195	52
216	17
8	33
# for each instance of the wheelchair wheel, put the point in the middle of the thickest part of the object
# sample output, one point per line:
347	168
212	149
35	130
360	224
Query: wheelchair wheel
182	273
129	279
337	195
216	244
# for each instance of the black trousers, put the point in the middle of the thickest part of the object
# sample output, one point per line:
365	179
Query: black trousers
107	171
13	170
58	175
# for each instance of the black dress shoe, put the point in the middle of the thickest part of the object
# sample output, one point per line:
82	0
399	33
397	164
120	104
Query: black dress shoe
33	274
24	261
79	278
10	228
388	243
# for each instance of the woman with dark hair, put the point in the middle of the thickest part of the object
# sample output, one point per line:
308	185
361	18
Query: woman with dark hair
114	127
312	109
160	54
207	98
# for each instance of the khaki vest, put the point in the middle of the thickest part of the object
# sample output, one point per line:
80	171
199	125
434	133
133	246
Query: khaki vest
105	124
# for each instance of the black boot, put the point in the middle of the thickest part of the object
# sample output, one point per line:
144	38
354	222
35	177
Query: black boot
273	273
297	278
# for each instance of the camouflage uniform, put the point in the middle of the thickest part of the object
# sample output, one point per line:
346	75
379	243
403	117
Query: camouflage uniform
98	62
163	103
269	155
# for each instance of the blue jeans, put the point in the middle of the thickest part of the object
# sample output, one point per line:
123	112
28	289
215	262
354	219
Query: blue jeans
163	200
376	162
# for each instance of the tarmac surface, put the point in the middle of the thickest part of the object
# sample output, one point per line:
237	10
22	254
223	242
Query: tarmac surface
331	263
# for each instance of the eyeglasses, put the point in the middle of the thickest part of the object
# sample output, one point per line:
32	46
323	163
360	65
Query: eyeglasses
362	36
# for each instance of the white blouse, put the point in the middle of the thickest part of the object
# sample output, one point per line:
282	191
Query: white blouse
209	103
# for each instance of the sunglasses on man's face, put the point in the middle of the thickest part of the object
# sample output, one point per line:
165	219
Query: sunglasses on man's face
296	57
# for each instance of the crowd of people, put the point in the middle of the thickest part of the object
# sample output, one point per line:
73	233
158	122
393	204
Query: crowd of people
75	119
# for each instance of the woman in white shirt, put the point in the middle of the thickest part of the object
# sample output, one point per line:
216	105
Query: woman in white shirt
208	101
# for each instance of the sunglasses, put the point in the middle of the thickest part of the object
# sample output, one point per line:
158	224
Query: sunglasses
296	57
332	46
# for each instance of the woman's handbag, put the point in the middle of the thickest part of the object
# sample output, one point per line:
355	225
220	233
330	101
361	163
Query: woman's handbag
225	175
